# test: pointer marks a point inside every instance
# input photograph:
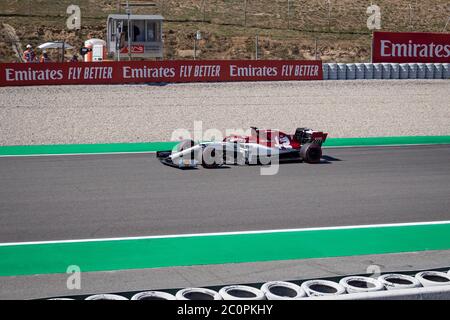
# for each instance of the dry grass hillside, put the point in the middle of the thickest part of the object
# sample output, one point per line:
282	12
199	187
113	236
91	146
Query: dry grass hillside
286	29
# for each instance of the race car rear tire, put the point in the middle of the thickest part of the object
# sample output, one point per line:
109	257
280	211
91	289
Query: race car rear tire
212	157
311	153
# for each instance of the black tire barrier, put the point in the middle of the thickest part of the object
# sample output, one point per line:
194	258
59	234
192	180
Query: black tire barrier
319	288
368	70
412	70
351	71
438	71
421	71
106	296
357	284
325	71
395	71
197	294
446	71
281	290
377	71
239	292
153	295
395	281
387	69
359	71
433	278
332	71
342	71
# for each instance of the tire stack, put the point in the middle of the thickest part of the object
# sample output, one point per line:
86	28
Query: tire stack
353	286
369	71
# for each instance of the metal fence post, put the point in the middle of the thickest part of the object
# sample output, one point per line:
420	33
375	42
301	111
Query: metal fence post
315	48
245	13
256	47
203	10
289	13
195	48
329	14
410	16
161	7
446	24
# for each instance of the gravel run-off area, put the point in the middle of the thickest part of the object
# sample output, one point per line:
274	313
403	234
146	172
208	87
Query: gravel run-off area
140	113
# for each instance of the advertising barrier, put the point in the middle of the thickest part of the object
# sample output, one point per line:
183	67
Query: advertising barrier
406	47
23	74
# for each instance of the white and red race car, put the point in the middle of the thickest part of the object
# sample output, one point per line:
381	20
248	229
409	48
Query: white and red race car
261	147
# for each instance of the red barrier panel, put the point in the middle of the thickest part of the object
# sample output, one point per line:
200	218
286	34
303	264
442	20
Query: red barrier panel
22	74
403	47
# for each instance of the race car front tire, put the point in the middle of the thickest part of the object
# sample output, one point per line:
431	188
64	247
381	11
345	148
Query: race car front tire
212	157
311	153
185	144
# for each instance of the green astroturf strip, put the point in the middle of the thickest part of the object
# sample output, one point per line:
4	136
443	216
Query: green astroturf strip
85	148
162	146
386	141
47	258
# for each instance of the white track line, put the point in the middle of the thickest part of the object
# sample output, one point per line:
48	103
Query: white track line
229	233
74	154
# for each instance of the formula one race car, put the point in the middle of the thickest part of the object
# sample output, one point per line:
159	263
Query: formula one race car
261	147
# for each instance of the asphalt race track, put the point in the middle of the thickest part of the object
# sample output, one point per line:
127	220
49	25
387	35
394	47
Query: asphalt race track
98	196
